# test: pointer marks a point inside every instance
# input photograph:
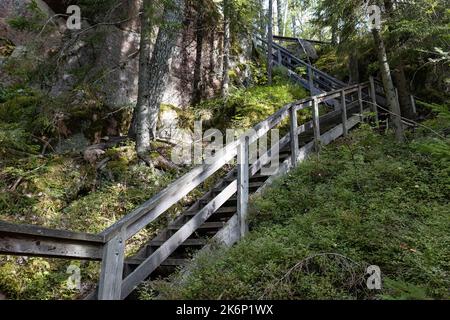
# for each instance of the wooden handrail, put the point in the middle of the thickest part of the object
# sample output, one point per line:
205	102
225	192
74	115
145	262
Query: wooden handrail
31	240
296	39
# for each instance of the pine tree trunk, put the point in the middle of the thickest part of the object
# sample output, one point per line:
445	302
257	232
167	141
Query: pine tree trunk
197	90
286	12
279	17
389	88
262	20
140	127
353	67
269	43
161	58
226	48
404	94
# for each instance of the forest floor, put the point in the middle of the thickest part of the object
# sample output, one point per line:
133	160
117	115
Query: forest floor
364	201
64	191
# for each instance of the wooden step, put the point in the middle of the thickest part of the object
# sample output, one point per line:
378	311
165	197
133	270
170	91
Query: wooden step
259	176
256	184
206	225
188	242
170	262
219	211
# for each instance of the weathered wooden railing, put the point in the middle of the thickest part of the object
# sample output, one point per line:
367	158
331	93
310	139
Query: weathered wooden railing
109	246
315	77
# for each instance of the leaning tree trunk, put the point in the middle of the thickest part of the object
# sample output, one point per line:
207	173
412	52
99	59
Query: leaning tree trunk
269	42
160	62
389	88
226	48
140	126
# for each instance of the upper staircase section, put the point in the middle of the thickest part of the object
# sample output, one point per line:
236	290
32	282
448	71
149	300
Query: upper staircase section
312	79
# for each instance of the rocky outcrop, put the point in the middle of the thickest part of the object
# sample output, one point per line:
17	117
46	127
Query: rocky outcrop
101	60
107	56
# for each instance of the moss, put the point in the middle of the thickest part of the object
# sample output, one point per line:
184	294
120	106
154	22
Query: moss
246	107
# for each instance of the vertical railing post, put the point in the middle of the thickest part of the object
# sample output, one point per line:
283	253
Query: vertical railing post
360	101
373	95
110	283
311	80
316	124
280	59
294	135
243	184
344	113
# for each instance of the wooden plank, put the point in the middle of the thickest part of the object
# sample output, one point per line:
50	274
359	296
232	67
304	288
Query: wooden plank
311	80
230	234
243	185
110	282
165	250
34	230
316	124
294	135
360	101
42	246
296	39
344	112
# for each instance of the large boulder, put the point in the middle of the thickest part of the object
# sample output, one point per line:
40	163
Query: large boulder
24	11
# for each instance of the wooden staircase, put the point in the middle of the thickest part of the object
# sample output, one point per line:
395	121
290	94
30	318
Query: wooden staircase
219	215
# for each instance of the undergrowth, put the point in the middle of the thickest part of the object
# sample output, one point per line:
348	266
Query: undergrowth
366	200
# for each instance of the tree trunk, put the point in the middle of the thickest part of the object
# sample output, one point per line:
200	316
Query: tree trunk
279	18
262	19
334	35
226	48
388	85
200	32
404	94
160	61
212	57
286	12
140	127
269	42
353	67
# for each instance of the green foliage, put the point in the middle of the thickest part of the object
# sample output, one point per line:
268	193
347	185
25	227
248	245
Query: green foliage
246	107
365	201
29	23
20	116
